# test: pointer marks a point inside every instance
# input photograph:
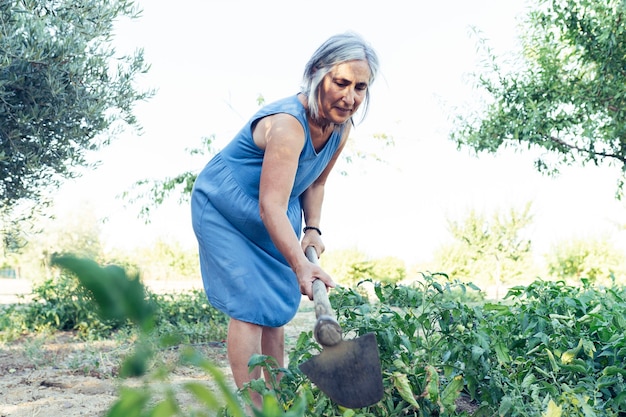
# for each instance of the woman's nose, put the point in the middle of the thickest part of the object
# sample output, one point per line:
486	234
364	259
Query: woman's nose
349	97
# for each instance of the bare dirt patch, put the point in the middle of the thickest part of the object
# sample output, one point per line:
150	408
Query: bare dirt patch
56	375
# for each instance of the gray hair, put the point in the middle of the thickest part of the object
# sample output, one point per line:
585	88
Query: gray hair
336	50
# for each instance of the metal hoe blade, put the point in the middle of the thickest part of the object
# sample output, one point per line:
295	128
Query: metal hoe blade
349	372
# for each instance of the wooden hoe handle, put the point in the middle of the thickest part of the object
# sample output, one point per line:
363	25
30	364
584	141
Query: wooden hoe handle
327	331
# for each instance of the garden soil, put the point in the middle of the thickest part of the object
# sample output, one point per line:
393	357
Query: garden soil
59	375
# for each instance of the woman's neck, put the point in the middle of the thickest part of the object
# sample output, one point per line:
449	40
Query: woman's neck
320	124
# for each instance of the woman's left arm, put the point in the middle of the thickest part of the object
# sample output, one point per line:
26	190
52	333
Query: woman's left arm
313	197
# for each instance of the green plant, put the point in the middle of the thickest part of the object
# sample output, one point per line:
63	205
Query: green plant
190	316
11	322
565	96
62	304
422	372
121	297
64	92
488	249
596	259
568	342
548	349
548	346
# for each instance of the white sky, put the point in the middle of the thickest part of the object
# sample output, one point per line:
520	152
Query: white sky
212	59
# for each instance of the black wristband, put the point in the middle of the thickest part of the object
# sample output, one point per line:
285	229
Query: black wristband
312	228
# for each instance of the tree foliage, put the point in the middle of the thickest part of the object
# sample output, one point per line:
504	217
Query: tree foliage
488	250
595	259
77	231
568	96
350	266
388	269
63	90
165	260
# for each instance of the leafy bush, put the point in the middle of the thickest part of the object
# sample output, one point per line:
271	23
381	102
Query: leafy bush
190	316
413	327
62	303
548	346
565	343
57	304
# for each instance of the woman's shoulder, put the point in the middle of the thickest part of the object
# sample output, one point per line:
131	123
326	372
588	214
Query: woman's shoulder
291	105
277	110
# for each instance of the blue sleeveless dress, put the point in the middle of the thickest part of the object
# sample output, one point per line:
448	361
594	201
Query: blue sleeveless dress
243	273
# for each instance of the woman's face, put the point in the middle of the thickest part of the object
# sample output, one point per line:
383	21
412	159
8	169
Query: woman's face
343	90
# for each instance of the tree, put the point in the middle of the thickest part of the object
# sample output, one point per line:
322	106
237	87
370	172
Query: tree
350	266
346	266
568	99
487	250
595	259
63	92
162	260
76	231
388	269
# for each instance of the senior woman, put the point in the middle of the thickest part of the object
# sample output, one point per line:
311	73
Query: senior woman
249	202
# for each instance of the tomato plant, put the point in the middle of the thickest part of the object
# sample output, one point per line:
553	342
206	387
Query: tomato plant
443	353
